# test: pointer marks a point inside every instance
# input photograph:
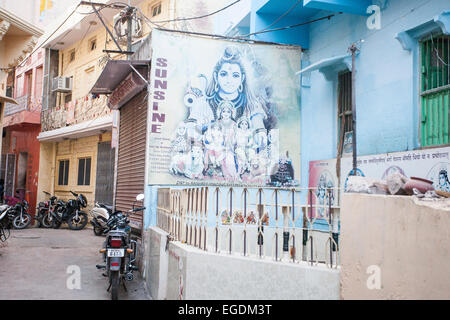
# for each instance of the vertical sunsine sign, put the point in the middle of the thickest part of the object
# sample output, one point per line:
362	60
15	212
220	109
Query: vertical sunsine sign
223	112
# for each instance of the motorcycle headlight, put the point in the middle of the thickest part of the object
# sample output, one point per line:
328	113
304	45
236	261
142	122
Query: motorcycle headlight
83	201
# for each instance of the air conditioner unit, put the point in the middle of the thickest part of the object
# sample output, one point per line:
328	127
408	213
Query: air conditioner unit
121	28
62	84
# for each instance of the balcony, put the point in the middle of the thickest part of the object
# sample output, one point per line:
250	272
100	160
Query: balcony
27	111
23	105
76	111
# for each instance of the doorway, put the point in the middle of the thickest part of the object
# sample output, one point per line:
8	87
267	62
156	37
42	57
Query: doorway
22	166
105	173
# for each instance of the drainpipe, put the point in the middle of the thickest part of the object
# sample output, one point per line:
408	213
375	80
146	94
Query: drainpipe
47	52
353	50
53	169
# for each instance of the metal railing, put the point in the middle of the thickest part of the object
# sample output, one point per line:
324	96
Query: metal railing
25	103
284	225
22	105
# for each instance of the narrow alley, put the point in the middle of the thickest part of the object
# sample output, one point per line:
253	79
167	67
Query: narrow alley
41	264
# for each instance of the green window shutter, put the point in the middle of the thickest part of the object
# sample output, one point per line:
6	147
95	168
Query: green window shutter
435	90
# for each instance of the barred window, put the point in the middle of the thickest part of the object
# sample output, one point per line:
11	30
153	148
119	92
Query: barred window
345	116
63	173
435	89
84	171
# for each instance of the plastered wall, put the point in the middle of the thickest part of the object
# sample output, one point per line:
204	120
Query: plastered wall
187	273
393	248
52	152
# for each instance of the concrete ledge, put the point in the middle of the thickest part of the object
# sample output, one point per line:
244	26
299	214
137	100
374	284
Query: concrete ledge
195	274
155	260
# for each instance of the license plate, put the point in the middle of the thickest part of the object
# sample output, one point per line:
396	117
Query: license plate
116	252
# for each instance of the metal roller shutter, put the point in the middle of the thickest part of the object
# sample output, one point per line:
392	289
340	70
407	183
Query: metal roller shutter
131	160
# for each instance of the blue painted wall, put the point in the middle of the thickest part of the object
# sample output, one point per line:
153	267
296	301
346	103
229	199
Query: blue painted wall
265	12
296	36
387	98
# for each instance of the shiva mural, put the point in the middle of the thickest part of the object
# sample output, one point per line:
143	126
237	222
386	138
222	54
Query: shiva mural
229	117
439	175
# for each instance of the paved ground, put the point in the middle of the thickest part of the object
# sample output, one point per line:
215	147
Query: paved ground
34	265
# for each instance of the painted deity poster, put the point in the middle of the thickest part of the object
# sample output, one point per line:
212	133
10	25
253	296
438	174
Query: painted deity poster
223	112
432	164
323	184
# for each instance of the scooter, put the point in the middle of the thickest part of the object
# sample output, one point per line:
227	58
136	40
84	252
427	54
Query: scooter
100	214
15	216
119	250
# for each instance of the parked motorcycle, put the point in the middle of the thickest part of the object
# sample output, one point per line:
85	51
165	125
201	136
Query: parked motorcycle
15	216
4	218
100	215
4	232
11	201
43	211
70	212
119	250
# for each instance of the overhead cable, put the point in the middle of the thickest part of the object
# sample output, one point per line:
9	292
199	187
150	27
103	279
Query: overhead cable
198	17
40	46
279	18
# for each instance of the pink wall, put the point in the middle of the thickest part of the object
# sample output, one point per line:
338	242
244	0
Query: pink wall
26	141
30	65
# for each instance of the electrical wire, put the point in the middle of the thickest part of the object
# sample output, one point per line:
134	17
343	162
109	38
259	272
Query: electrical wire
437	52
288	27
110	5
225	37
241	38
278	19
40	46
147	19
198	17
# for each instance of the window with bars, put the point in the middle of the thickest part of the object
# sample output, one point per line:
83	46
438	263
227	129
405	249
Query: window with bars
63	173
84	171
435	90
345	117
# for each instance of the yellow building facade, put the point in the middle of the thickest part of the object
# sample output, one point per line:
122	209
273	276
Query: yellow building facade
75	123
71	151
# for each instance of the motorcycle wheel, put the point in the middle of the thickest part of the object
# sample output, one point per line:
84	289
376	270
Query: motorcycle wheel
98	231
77	224
115	279
4	233
46	222
22	223
38	221
56	224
